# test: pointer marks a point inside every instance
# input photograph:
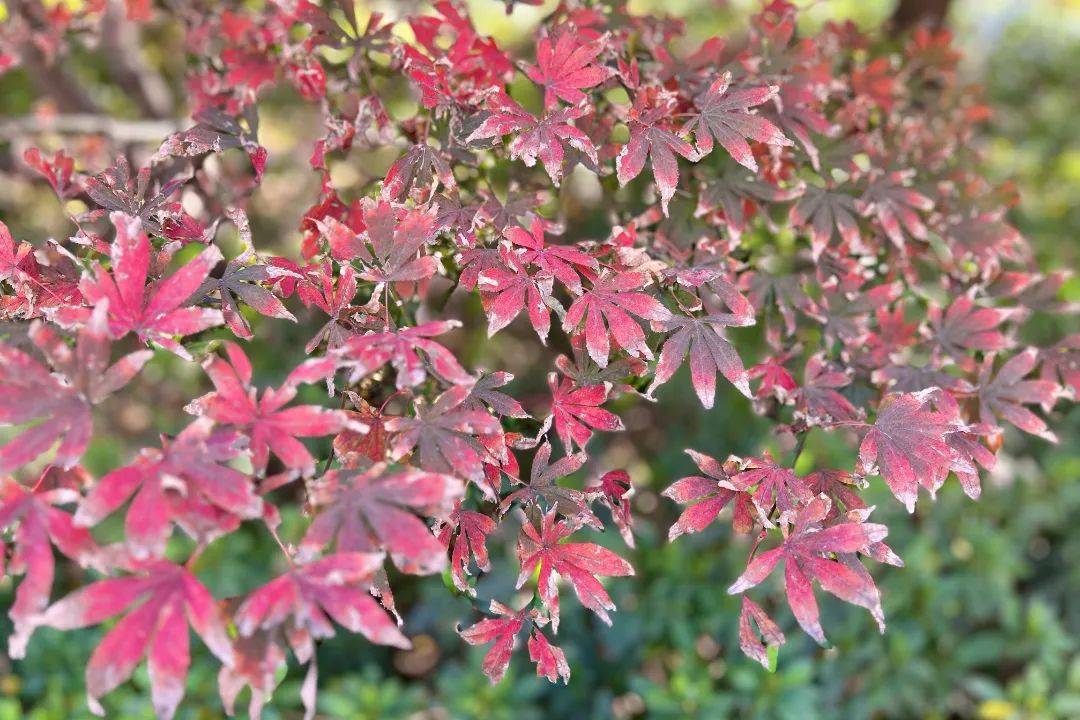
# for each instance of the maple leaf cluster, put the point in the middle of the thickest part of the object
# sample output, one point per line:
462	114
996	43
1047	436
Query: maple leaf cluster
806	185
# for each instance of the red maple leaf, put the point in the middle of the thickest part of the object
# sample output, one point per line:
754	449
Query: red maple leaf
805	553
483	394
265	421
185	482
725	116
390	244
156	312
465	534
563	262
964	327
542	138
614	490
541	549
359	449
29	392
576	411
309	596
59	172
299	608
1061	363
773	485
649	139
710	352
907	445
508	289
36	524
401	347
317	286
550	660
160	600
826	210
776	380
607	306
417	174
819	399
565	67
13	255
896	207
543	484
707	495
502	631
449	438
750	642
240	280
376	509
1007	392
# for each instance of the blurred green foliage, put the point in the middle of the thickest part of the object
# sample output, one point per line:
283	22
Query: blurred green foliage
983	622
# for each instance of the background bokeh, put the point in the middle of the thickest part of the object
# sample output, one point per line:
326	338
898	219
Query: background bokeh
983	622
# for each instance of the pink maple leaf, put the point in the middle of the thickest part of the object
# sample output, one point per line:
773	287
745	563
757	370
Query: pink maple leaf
825	211
805	553
1005	394
563	262
965	327
614	490
184	482
28	391
772	486
309	596
501	631
160	600
819	399
707	495
564	67
725	116
544	138
449	438
156	312
401	348
541	549
608	306
750	642
543	484
550	660
390	245
710	352
576	411
32	518
465	533
907	445
12	255
240	280
265	421
508	289
376	509
896	207
648	139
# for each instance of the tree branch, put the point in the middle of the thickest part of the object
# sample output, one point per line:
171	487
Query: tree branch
128	67
150	131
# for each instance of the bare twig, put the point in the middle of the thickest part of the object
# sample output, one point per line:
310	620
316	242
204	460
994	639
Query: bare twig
152	131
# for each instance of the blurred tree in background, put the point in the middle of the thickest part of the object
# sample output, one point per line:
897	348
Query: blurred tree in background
985	621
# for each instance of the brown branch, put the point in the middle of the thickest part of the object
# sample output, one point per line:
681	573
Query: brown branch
52	82
127	64
133	131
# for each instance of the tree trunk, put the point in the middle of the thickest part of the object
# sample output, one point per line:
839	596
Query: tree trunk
911	13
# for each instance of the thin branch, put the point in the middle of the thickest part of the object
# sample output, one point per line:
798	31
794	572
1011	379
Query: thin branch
151	131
